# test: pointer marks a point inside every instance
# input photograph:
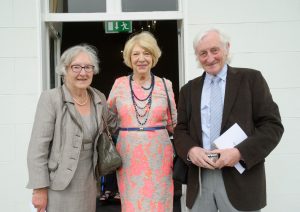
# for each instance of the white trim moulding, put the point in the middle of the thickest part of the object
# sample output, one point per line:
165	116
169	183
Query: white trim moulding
85	17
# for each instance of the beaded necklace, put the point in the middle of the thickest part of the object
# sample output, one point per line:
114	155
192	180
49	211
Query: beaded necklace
142	112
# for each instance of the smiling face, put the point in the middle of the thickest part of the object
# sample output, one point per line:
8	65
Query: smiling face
82	79
141	60
212	53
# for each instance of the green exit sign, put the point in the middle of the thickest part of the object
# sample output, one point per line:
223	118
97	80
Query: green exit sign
118	26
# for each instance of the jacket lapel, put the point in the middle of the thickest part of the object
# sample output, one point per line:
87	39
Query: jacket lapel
71	106
232	87
98	106
196	92
96	100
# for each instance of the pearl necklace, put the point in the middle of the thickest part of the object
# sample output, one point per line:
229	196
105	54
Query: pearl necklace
84	102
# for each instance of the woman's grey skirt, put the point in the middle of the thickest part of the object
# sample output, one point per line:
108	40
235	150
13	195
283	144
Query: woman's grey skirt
80	195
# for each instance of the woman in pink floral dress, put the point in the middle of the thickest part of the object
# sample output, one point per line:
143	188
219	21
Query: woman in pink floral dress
140	101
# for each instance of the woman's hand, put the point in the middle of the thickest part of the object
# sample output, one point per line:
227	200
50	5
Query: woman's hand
40	199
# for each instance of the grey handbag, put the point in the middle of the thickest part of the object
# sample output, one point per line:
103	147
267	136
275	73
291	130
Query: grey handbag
109	159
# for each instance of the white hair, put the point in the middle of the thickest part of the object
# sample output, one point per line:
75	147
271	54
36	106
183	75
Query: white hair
223	38
68	56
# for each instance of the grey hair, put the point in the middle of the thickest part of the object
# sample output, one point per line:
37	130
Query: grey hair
68	56
223	38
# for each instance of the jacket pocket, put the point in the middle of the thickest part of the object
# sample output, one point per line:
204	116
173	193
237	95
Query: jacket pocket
52	165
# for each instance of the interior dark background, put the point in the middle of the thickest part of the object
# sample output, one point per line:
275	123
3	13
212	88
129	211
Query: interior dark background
111	45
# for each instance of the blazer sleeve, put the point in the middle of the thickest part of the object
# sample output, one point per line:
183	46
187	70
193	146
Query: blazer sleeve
268	128
41	137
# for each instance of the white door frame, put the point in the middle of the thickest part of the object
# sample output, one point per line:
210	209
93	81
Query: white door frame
113	12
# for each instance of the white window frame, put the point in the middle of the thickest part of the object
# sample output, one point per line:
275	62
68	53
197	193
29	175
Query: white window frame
113	13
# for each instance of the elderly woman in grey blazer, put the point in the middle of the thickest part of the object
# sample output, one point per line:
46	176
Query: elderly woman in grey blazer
62	154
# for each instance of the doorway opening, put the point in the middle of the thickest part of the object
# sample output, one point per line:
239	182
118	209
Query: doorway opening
110	48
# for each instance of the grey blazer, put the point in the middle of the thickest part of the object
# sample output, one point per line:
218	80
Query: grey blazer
249	103
57	136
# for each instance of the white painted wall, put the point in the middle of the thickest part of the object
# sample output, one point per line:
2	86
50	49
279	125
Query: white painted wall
264	35
19	89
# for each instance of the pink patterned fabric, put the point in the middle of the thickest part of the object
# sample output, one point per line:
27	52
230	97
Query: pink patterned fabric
145	178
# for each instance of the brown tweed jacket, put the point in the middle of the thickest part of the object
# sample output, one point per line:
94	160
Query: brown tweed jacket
249	103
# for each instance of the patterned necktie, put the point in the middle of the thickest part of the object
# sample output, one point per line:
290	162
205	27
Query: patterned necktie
216	109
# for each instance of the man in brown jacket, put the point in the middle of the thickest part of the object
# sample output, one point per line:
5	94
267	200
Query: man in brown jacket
245	100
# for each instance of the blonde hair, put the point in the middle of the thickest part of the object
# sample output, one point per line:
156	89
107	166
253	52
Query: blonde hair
147	41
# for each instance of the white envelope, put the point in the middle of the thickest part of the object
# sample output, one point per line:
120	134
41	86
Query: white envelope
232	137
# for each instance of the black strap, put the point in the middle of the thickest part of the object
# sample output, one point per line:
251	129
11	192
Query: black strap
168	98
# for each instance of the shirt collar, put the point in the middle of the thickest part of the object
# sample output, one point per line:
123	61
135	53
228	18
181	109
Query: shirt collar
222	74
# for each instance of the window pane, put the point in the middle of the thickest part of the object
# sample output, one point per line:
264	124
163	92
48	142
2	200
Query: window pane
149	5
77	6
86	6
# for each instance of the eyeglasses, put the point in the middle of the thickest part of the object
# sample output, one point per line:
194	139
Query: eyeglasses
78	68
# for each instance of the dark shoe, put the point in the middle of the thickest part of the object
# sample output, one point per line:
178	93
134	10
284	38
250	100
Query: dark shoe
107	195
117	196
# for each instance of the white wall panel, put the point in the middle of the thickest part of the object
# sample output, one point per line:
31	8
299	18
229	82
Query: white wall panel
280	203
193	69
18	93
7	75
24	108
288	102
257	37
6	13
18	42
278	68
26	76
282	183
236	11
8	194
7	40
13	156
23	132
25	42
25	13
7	109
17	108
18	75
277	166
7	144
290	138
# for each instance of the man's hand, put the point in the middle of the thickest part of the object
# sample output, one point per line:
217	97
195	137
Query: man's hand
228	157
40	199
198	156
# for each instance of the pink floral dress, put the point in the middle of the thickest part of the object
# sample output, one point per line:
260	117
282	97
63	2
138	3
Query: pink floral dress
145	178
